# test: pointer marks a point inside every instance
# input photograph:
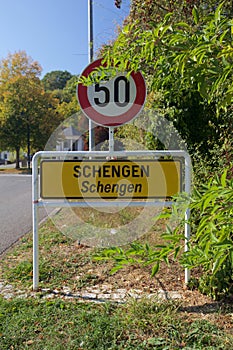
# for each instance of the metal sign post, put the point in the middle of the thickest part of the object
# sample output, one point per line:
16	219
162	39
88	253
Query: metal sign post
38	201
35	220
111	139
90	59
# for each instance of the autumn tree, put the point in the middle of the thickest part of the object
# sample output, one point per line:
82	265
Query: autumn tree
27	112
18	64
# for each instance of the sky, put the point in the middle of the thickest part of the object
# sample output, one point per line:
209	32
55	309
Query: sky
55	32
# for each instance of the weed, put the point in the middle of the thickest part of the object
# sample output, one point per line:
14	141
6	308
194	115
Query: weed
58	324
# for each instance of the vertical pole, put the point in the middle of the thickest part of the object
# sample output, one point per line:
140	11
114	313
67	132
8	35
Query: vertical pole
28	146
187	238
90	31
187	211
111	139
90	59
35	198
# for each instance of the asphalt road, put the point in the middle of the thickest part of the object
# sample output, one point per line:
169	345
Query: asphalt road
15	208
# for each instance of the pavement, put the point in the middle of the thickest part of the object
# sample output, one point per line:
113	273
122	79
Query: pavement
15	208
103	293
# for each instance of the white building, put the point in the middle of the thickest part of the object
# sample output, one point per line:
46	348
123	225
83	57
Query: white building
5	156
70	140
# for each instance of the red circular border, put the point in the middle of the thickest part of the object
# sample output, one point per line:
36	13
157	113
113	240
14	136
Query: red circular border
102	119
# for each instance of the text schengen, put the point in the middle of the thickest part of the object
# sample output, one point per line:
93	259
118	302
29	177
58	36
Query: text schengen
112	180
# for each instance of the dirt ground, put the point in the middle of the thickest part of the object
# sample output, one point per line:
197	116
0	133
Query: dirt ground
169	280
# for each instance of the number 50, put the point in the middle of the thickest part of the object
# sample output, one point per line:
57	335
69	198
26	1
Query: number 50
116	93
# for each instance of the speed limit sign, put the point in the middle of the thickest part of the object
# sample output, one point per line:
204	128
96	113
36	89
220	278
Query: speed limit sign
113	102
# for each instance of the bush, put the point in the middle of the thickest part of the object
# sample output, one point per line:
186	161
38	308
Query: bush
211	245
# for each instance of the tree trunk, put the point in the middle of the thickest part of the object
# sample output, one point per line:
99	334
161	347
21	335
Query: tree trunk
17	166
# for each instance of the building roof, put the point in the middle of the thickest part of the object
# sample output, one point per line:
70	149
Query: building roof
71	133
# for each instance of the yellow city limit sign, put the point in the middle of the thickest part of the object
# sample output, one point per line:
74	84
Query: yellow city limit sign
122	179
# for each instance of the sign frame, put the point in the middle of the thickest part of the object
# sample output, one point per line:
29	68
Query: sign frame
37	202
101	118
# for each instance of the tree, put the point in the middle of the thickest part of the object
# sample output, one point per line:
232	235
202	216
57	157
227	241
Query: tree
18	64
27	112
148	12
68	103
56	80
184	63
63	87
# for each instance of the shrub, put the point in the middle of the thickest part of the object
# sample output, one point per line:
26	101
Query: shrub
211	246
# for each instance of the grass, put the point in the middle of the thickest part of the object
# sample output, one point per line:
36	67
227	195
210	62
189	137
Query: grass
61	258
59	324
56	324
15	171
56	265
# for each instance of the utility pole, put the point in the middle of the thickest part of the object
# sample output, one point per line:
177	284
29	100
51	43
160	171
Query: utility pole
90	58
90	31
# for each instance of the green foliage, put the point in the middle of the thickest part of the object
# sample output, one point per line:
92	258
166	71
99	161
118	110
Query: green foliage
182	56
218	157
56	80
148	12
212	243
187	63
144	254
68	103
53	324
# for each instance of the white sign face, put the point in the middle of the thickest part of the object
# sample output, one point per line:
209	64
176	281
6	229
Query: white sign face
114	97
113	102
